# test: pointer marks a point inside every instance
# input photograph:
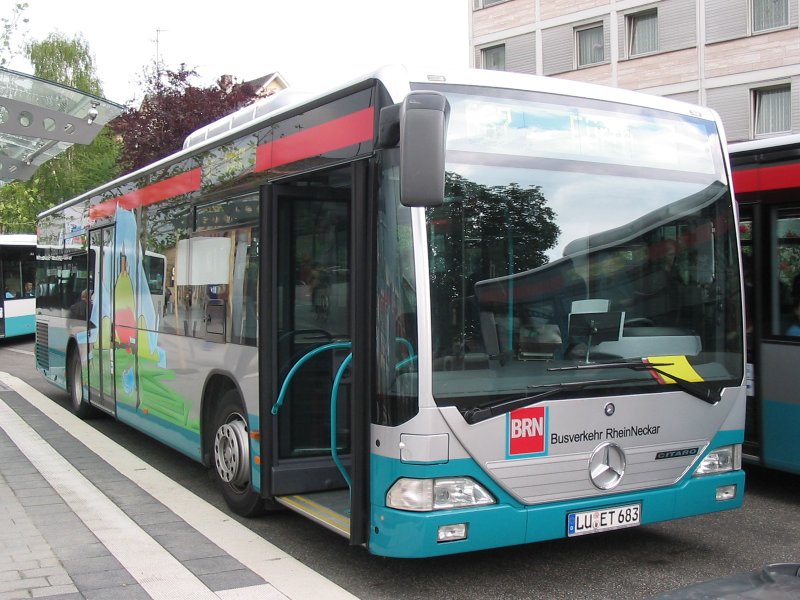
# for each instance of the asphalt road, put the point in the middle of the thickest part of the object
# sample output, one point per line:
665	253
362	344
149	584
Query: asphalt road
627	564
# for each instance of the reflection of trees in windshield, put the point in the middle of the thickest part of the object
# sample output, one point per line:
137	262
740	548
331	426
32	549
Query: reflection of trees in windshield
663	284
511	218
481	232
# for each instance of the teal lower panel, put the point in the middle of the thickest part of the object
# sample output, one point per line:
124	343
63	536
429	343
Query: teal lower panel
780	441
404	534
24	325
181	439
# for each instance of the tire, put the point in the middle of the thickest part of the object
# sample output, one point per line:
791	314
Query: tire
230	453
78	401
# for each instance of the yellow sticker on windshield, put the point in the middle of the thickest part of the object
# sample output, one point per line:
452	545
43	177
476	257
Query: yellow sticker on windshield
672	365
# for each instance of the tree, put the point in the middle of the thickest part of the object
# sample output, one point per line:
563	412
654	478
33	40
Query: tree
79	168
9	30
65	61
173	108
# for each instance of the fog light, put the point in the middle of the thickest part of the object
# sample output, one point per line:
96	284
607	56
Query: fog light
450	533
726	492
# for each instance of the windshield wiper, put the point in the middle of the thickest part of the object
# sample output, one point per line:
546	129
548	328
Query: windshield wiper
706	393
482	412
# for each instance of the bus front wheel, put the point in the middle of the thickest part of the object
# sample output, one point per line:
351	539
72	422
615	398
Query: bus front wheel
231	457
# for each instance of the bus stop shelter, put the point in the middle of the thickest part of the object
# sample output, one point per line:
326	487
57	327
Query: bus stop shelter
39	119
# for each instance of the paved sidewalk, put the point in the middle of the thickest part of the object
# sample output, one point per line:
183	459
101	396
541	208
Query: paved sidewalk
74	525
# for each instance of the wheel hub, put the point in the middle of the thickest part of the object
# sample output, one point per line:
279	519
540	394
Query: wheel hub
232	453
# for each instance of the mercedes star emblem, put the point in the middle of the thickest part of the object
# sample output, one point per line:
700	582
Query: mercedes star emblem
607	466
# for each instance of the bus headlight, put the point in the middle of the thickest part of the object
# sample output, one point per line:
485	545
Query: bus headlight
721	460
437	494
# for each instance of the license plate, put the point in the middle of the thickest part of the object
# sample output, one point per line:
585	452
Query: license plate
604	519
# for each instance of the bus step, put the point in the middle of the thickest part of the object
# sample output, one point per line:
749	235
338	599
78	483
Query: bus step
329	509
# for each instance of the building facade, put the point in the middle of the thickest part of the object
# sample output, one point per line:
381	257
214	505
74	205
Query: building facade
739	57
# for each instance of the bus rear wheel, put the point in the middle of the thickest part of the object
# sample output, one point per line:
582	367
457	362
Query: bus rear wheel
231	457
78	401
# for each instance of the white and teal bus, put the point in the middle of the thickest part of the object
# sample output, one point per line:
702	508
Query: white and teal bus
766	178
434	312
17	272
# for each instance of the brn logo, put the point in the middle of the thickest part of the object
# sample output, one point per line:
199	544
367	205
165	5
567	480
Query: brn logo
527	430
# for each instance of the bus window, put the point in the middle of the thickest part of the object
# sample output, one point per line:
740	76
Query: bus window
167	224
785	275
12	277
396	335
244	287
314	302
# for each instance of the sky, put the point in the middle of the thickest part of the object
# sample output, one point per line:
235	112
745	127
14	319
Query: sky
313	44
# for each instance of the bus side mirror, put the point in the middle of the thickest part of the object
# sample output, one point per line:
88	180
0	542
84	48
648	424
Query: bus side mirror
423	133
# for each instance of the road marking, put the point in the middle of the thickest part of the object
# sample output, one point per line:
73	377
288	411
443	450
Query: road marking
286	574
28	352
157	571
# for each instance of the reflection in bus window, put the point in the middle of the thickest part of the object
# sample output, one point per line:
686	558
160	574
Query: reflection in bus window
786	285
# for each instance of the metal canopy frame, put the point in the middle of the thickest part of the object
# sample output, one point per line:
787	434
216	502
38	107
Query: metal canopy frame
39	119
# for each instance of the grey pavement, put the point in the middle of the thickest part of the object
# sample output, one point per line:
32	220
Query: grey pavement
74	526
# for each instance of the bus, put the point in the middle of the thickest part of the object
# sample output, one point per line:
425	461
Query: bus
433	312
766	179
17	272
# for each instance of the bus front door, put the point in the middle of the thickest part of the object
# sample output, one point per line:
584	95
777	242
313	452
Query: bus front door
101	309
311	338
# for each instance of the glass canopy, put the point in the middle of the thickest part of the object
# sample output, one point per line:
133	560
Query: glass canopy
39	119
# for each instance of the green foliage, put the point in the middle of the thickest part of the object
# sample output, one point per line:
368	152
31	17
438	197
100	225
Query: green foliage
18	202
66	61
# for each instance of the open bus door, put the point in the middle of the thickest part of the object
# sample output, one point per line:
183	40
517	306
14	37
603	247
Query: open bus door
315	418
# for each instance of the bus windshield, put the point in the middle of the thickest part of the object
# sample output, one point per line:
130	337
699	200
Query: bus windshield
576	235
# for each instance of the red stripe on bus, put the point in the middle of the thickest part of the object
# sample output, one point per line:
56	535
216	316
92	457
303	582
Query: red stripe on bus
766	178
150	194
349	130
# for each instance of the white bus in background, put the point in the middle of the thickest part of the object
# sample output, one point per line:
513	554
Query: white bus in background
18	273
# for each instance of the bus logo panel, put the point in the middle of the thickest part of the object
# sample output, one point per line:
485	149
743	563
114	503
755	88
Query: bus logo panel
527	431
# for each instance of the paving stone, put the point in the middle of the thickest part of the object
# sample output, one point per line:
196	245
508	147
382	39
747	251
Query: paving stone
231	579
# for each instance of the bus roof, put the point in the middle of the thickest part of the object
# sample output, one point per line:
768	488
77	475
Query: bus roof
764	144
398	81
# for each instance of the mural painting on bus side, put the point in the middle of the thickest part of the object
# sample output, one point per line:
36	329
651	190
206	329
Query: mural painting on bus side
135	334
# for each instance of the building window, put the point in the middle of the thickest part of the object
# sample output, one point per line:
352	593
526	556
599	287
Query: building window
642	33
772	110
770	14
590	44
494	58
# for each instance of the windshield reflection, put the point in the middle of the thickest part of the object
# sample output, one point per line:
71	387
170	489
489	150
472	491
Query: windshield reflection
521	283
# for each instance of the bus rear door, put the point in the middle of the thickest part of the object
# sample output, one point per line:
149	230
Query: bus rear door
100	341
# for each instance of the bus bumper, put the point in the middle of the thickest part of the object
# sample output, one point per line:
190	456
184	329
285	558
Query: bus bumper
403	534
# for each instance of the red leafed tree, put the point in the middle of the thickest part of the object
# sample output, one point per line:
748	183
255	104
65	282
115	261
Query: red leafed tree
173	108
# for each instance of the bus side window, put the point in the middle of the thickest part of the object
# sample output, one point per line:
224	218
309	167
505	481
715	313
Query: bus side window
167	226
785	279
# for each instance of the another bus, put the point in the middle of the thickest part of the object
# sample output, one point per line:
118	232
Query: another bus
17	272
766	177
434	312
